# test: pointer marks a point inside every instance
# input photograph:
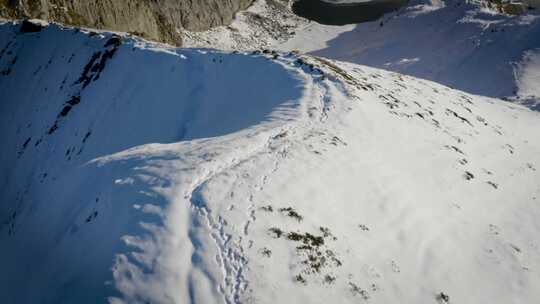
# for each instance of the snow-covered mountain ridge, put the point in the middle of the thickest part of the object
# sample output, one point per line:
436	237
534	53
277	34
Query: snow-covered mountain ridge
139	173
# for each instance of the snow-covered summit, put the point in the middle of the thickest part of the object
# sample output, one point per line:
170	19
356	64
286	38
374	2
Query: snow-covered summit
137	173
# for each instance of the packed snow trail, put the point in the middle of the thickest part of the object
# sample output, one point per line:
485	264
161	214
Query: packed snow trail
139	173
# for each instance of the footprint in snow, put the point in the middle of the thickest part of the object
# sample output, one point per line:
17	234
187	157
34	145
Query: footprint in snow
395	267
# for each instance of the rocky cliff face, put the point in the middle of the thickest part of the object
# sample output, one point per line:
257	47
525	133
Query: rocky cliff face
152	19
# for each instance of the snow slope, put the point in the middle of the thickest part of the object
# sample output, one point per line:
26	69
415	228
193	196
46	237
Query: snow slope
137	173
267	24
450	42
264	24
454	42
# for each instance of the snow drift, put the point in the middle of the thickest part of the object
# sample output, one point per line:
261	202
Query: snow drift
136	173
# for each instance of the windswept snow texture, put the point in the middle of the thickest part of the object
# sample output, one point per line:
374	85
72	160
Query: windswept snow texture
135	173
528	79
449	42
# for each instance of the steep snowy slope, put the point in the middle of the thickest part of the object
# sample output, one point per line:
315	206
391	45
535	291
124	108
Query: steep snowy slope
137	173
70	98
453	42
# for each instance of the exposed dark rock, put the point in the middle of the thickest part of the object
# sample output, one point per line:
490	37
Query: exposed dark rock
442	298
27	26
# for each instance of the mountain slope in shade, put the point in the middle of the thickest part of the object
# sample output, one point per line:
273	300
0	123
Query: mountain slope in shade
136	173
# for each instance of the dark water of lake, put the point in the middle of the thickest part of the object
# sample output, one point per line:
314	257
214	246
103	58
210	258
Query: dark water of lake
345	13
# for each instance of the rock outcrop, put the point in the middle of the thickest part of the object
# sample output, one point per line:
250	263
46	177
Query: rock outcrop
160	20
517	7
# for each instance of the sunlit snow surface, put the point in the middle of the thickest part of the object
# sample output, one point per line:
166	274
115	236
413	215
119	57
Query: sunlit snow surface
198	176
453	42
